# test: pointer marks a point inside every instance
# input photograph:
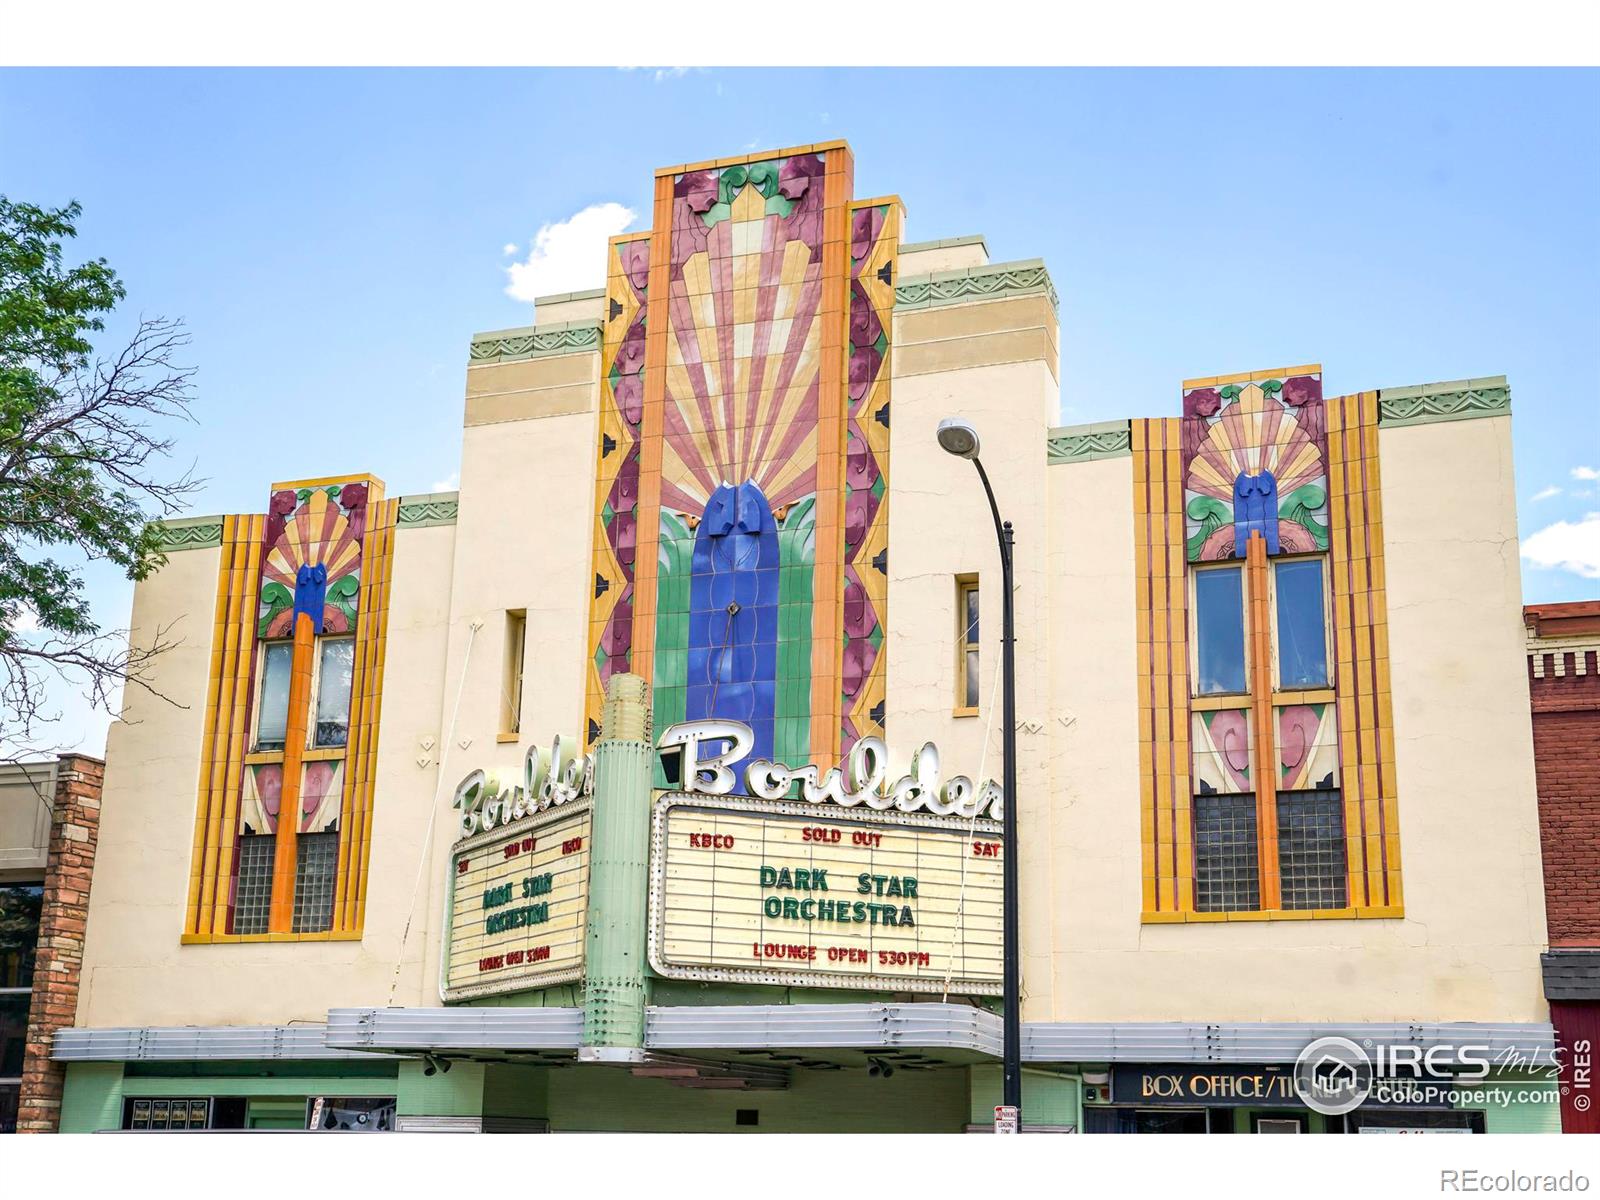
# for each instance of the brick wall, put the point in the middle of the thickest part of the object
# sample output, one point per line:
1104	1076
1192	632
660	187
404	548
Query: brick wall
74	835
1566	748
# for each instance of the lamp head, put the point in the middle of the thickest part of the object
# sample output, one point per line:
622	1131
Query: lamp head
958	437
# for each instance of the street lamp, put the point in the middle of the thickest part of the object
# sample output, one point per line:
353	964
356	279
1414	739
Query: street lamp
959	438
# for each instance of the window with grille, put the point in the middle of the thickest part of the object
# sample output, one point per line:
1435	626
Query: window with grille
317	860
252	897
1225	854
1311	850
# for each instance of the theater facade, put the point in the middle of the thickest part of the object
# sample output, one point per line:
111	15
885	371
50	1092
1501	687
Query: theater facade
646	783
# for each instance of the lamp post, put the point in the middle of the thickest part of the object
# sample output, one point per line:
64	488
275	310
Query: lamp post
959	438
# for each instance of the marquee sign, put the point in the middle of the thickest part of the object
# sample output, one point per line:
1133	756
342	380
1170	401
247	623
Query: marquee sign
856	883
518	895
704	750
777	892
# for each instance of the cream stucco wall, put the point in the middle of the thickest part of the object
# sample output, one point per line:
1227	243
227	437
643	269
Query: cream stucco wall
994	363
524	541
136	972
1468	947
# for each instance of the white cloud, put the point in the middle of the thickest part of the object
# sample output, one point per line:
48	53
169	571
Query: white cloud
1545	494
1589	473
452	484
27	620
1567	546
570	255
509	248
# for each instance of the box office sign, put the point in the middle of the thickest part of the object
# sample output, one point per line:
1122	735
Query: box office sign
518	894
757	891
1213	1085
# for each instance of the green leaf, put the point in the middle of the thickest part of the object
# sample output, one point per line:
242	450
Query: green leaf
1212	514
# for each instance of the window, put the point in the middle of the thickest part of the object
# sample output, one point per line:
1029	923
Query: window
1311	856
966	643
317	857
353	1114
252	897
1219	631
1302	625
336	660
20	906
1226	869
272	698
511	696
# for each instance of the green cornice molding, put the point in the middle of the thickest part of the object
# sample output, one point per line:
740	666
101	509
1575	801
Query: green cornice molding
1086	443
431	508
188	533
1457	400
534	341
995	281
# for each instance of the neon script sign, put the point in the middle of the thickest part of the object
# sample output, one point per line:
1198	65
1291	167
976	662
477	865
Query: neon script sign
708	747
549	778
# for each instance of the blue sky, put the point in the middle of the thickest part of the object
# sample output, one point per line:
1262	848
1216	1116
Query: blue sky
333	239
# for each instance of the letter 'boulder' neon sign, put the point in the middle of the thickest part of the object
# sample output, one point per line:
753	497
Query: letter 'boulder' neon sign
705	748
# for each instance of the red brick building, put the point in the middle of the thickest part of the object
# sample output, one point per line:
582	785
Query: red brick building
1564	686
49	832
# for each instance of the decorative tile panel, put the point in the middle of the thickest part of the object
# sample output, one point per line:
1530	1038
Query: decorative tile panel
741	511
1255	458
874	240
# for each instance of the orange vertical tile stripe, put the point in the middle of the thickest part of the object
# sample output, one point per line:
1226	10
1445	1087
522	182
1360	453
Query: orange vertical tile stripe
648	526
827	613
294	746
1257	573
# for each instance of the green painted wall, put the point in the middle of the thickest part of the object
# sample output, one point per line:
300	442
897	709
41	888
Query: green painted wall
457	1092
515	1091
846	1101
1522	1114
1047	1099
93	1094
91	1097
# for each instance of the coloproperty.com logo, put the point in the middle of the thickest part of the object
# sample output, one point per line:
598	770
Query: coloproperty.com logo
1334	1075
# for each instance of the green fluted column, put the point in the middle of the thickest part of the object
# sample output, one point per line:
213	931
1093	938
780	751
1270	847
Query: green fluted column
619	870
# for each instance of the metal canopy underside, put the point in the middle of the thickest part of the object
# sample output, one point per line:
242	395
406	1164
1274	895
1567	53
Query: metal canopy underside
527	1035
195	1043
828	1036
764	1037
1269	1042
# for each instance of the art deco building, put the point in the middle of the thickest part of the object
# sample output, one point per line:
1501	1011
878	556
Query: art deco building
1275	776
